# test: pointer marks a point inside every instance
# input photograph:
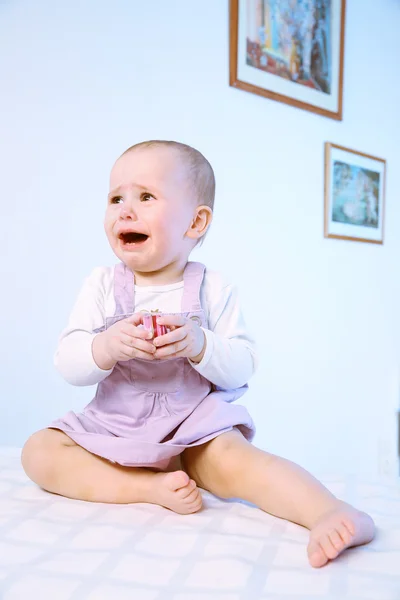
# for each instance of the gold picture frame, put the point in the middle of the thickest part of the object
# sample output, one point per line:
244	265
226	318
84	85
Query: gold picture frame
275	55
355	189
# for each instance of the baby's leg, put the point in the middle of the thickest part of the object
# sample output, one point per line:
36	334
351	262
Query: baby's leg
53	461
231	467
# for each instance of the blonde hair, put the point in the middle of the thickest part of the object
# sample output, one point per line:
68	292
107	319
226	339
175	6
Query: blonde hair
200	171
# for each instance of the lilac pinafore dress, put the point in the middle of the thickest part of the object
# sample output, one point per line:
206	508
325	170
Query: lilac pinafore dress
146	412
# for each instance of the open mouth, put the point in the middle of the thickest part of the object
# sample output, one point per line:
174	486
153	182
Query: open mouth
131	238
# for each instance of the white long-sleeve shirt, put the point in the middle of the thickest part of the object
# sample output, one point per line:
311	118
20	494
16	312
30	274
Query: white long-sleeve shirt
230	357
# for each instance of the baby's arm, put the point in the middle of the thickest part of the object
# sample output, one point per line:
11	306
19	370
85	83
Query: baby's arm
74	358
230	357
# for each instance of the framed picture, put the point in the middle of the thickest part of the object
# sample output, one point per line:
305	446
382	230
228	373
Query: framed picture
354	195
291	51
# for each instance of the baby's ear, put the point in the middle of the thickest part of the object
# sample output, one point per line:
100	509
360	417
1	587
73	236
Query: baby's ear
200	222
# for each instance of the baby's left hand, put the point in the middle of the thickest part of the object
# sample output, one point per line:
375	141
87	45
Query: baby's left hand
185	339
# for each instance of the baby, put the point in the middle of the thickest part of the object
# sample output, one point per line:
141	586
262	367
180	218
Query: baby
163	421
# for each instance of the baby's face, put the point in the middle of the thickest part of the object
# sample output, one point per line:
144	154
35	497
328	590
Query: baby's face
150	208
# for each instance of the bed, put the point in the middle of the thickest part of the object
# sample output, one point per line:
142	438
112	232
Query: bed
60	549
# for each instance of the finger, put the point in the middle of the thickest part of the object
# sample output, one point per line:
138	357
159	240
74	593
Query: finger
184	353
132	353
135	353
137	343
171	349
135	319
171	338
136	332
172	320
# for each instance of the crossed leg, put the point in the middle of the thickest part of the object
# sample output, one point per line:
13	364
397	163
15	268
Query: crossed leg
230	467
57	464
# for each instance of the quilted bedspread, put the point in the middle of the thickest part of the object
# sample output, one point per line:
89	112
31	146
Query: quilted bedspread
52	548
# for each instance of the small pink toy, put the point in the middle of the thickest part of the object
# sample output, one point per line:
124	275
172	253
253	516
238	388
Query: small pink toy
150	324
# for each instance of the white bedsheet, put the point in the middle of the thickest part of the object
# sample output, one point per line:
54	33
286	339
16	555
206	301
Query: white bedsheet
52	548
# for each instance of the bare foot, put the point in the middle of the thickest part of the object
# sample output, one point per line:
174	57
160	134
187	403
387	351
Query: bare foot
175	491
337	530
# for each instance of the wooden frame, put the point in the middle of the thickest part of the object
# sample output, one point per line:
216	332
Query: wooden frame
317	101
366	225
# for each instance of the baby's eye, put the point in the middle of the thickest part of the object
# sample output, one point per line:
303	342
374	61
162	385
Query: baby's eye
116	199
145	197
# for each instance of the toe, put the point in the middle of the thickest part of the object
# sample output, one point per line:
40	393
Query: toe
186	490
345	534
316	555
335	532
349	526
328	547
196	505
336	540
192	496
177	480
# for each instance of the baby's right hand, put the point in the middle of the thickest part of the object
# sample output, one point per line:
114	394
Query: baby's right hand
122	341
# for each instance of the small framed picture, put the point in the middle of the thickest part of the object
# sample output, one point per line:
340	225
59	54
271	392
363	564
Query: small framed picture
291	51
354	195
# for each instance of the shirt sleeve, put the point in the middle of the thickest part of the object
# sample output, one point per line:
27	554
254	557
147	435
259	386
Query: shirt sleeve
230	358
73	358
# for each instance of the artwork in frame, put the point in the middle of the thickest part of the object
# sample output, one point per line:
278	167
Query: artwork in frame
354	195
291	51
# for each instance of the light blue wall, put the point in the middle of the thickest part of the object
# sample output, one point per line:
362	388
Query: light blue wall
80	82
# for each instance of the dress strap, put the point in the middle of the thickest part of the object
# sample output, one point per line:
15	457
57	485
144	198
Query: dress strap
192	280
124	290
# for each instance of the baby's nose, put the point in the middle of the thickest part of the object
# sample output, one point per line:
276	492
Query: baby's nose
127	212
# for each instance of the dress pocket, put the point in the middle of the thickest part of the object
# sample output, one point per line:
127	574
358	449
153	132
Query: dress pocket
163	376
